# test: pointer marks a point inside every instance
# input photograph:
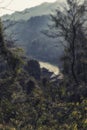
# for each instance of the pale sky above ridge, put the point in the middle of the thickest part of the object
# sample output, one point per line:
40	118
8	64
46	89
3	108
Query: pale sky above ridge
9	6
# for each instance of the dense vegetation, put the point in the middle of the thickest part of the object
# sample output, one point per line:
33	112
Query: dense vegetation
30	101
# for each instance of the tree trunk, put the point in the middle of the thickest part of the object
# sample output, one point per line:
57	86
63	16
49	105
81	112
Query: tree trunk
73	56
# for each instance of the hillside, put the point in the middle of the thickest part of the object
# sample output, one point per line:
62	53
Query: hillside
35	95
43	9
26	27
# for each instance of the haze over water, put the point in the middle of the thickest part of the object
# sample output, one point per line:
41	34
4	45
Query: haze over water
50	67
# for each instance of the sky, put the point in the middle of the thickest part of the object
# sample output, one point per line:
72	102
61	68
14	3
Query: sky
9	6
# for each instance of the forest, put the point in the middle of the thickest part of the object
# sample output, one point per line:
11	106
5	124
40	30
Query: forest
29	98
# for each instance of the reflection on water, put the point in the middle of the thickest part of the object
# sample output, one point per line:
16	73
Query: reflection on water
50	67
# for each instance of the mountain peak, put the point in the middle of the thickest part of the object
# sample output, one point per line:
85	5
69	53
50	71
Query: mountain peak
42	9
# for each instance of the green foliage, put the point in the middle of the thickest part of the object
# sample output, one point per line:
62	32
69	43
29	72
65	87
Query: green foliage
69	23
27	103
34	69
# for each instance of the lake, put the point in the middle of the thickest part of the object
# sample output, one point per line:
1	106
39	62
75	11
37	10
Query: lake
50	67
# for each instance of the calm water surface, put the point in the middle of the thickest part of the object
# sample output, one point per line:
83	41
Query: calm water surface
50	67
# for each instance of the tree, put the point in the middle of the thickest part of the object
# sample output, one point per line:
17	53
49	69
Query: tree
8	77
69	23
12	63
34	69
11	59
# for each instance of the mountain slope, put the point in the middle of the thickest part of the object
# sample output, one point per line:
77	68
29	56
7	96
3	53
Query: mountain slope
43	9
27	31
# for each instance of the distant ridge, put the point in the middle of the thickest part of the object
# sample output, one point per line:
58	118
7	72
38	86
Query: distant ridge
42	9
26	27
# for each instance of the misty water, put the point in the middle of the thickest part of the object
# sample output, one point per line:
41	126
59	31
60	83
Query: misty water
50	67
